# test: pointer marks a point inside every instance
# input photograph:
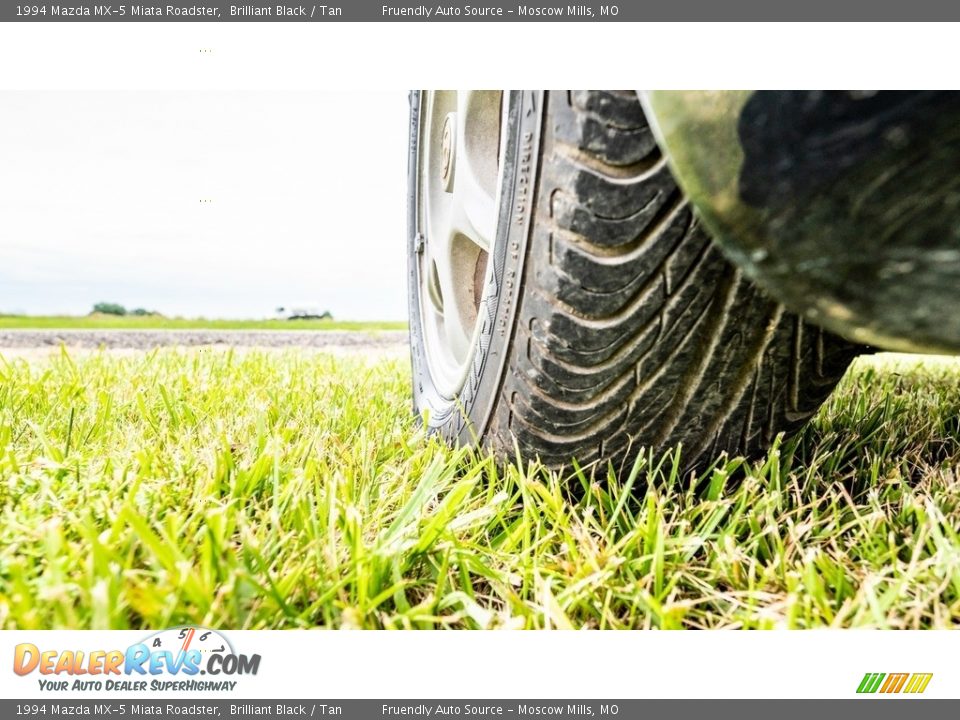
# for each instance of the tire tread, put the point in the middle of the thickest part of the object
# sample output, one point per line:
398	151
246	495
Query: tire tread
633	330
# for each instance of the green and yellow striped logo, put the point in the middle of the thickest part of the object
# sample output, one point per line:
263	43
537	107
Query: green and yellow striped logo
894	682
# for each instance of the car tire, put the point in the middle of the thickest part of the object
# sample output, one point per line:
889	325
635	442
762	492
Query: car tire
607	321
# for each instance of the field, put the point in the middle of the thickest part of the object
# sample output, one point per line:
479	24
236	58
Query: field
158	322
285	489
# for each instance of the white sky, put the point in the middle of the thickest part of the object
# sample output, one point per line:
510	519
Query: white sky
100	201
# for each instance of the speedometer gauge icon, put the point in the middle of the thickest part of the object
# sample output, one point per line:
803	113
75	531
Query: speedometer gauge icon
182	639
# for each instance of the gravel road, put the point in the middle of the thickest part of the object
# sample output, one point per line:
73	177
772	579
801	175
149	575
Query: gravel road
385	342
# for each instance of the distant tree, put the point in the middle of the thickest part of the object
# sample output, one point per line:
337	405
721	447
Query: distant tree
141	312
106	308
310	315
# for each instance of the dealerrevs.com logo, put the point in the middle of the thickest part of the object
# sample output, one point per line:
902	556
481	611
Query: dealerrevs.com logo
172	659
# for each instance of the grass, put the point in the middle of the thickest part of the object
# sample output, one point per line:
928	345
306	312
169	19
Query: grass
158	322
281	490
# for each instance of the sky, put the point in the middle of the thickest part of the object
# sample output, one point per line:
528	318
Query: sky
101	200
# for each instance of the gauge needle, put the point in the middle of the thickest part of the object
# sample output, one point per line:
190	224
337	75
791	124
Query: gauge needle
186	644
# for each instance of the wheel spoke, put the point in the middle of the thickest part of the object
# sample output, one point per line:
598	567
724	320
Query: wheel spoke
474	185
458	310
